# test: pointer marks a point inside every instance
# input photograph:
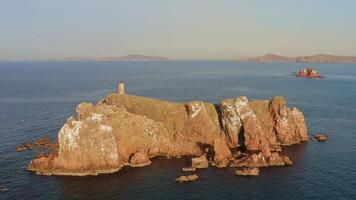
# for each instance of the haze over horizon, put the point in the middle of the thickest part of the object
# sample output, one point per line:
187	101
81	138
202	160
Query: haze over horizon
42	30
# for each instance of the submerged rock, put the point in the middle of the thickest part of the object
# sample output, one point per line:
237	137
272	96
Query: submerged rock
320	137
20	148
123	130
44	142
189	178
248	171
3	188
188	169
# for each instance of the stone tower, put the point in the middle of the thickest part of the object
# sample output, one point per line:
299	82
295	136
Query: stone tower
121	87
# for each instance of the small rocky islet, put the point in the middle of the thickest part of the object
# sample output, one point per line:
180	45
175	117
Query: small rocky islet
309	72
126	130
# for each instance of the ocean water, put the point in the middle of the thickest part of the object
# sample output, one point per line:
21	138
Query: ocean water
37	97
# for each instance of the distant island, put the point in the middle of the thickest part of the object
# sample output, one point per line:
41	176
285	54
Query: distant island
308	72
320	58
131	57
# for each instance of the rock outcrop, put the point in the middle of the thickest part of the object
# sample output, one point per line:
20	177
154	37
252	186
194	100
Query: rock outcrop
129	130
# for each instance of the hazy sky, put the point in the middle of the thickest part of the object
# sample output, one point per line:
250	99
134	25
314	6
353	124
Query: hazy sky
183	29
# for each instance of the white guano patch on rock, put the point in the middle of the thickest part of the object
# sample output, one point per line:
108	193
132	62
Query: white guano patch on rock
240	104
96	117
69	136
105	128
297	114
197	107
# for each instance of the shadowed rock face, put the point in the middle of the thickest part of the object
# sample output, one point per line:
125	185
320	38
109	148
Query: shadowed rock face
128	130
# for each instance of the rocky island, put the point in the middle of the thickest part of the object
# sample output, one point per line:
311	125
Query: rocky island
308	72
126	130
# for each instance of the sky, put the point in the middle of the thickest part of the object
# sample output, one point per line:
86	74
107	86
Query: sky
180	29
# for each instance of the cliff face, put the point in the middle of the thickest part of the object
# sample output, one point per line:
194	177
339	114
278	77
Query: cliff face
129	130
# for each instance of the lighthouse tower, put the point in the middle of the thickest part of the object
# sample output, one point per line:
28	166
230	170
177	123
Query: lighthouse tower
121	87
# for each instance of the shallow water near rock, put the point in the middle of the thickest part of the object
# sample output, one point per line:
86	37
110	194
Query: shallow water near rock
37	97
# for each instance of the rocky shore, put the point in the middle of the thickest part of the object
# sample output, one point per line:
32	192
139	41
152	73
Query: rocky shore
126	130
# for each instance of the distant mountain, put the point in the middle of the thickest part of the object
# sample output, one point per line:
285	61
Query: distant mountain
136	57
74	58
131	57
324	58
270	58
320	58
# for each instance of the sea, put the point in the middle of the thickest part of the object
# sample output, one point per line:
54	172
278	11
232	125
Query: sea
36	98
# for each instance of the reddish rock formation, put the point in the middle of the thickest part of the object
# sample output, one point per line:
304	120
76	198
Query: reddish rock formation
128	130
289	124
222	153
255	136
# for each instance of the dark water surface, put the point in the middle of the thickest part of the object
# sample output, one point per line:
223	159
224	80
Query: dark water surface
37	97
